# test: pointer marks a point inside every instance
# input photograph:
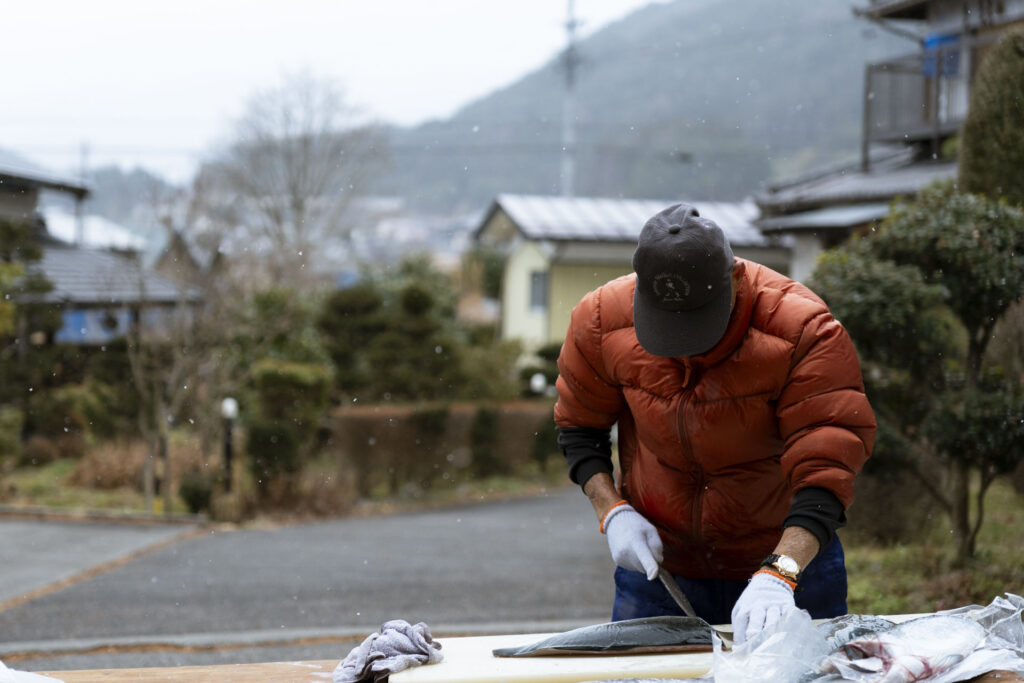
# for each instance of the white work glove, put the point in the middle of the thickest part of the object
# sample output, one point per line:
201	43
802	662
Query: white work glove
762	603
633	540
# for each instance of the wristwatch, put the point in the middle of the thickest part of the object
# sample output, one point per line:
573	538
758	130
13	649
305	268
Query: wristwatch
783	564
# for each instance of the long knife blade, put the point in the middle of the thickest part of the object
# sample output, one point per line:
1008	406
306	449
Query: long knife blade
676	592
672	586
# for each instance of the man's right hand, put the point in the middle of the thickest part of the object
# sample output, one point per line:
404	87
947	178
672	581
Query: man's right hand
633	540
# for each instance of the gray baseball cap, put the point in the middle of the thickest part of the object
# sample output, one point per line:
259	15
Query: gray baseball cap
683	296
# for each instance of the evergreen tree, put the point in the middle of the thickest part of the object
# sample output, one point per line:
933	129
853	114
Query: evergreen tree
416	357
395	337
920	298
26	320
349	321
992	145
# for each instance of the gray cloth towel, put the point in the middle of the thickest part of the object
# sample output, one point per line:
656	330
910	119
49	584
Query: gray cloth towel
398	646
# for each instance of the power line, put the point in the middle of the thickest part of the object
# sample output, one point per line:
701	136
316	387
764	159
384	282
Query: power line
74	150
569	104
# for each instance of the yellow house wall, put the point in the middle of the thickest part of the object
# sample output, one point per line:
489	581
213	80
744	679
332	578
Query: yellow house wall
568	283
518	320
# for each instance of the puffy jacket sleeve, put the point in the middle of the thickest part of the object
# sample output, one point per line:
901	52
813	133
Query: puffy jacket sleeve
587	396
825	420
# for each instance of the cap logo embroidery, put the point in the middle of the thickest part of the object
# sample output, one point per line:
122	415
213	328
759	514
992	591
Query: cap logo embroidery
670	288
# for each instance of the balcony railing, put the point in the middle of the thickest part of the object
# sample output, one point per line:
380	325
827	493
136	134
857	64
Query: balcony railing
923	97
918	97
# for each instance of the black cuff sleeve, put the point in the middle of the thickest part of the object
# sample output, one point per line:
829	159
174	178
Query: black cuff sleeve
817	510
587	450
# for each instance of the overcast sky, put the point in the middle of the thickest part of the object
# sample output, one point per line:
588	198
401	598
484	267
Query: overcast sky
157	84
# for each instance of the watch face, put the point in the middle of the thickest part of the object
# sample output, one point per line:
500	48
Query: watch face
788	564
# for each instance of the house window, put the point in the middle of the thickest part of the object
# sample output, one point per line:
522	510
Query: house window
539	290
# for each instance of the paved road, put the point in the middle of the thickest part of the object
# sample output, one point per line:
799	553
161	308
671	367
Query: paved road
36	554
305	591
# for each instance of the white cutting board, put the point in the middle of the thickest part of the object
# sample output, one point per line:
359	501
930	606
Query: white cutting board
469	660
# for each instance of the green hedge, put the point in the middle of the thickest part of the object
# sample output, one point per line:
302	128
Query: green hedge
291	399
389	449
11	422
296	390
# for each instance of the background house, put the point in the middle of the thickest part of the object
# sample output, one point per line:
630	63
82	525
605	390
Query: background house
100	290
22	182
557	249
913	104
822	211
102	293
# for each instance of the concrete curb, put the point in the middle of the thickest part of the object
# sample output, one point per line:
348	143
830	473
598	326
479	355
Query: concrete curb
263	638
92	515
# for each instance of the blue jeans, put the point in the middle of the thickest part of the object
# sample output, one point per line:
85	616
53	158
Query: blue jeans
822	592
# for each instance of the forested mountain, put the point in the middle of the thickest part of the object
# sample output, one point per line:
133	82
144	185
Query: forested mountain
699	98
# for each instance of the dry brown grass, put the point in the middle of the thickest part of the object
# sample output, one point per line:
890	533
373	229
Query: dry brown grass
39	450
119	463
110	465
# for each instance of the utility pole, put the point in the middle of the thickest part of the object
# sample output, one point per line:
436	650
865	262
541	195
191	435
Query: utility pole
569	105
83	167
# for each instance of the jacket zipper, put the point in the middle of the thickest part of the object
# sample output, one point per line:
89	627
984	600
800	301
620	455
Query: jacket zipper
698	498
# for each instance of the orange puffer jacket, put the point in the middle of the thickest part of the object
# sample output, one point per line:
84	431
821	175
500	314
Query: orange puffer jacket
712	448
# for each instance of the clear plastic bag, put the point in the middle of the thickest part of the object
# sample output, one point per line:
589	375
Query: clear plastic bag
796	651
786	653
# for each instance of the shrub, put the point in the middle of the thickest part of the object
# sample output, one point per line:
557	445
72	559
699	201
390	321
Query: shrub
64	410
196	490
546	364
430	421
550	352
291	398
489	374
273	447
483	438
545	443
110	410
11	422
230	506
289	389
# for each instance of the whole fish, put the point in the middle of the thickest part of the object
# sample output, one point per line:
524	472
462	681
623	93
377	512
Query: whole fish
838	631
632	636
911	651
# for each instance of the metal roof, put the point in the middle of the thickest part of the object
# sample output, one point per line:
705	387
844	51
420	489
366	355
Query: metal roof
894	9
592	219
853	186
846	216
17	174
92	277
97	232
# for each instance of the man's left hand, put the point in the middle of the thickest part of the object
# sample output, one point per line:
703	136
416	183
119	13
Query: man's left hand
762	603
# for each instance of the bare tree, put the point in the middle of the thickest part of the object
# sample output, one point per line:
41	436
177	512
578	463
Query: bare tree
196	353
282	187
